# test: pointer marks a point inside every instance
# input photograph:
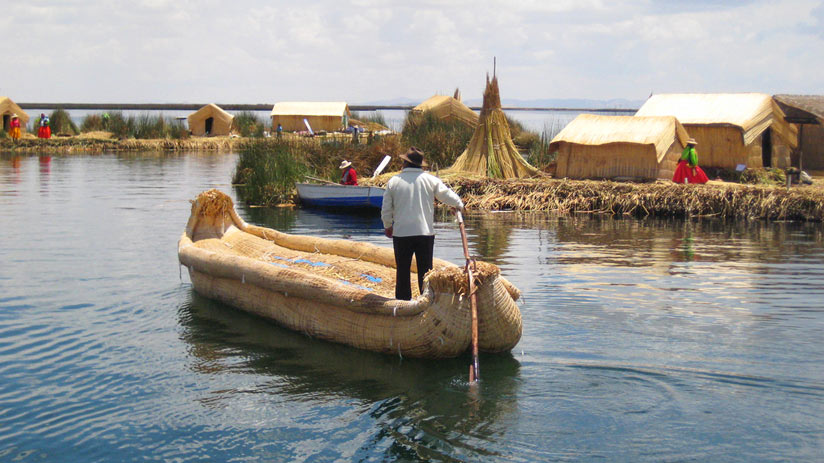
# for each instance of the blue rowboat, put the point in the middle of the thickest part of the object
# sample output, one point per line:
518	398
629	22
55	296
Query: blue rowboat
331	195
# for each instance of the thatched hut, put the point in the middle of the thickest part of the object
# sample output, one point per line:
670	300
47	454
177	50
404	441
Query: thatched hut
210	120
619	147
491	151
806	113
448	108
9	108
730	128
328	116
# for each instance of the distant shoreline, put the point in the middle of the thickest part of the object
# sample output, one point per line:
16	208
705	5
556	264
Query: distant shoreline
268	107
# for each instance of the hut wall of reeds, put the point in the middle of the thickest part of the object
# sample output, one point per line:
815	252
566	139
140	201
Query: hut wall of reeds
220	124
491	151
730	128
612	147
9	108
806	113
811	142
328	116
448	108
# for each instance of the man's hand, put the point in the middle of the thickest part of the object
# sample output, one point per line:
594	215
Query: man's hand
388	232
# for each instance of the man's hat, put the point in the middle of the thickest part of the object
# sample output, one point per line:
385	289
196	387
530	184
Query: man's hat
344	164
692	142
414	156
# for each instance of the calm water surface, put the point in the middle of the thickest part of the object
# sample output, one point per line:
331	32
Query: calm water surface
644	340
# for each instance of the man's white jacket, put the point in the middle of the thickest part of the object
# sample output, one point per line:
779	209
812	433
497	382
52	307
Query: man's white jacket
409	202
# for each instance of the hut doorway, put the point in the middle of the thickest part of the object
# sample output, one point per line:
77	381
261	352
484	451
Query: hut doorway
209	122
6	122
766	148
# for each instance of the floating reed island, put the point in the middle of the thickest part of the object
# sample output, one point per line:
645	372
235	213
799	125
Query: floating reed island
659	199
99	143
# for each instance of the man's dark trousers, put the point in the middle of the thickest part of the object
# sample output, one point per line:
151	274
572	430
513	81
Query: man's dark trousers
421	246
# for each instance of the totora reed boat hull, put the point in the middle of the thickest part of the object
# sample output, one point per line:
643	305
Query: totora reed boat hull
340	290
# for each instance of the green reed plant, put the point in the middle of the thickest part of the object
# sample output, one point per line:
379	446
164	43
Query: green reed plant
247	124
268	171
92	123
269	168
119	125
370	116
61	122
441	141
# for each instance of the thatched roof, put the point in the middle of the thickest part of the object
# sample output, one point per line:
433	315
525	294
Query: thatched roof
589	129
802	108
491	151
9	107
310	108
448	108
751	112
221	126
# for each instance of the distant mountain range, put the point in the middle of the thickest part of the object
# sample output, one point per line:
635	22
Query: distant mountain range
617	103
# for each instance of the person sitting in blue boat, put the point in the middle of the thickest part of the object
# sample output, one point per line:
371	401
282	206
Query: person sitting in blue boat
350	177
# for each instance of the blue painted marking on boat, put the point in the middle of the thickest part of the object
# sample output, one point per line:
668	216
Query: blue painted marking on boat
371	278
372	201
313	264
279	264
355	285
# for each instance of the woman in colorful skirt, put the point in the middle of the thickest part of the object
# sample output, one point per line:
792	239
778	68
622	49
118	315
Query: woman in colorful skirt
688	170
14	129
45	130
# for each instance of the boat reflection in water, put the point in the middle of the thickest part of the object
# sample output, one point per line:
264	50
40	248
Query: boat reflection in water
407	405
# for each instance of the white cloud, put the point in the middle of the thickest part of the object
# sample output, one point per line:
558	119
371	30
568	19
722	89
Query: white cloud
367	50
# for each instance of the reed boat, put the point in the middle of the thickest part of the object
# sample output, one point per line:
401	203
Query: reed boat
341	290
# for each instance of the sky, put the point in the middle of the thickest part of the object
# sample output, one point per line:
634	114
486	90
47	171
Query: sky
366	51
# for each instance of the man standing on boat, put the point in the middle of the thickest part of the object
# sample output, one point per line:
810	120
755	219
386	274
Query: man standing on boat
349	177
408	214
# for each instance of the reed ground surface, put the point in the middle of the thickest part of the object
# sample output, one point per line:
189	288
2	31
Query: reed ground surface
661	198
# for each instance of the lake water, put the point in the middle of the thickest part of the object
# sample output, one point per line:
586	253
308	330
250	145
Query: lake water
644	340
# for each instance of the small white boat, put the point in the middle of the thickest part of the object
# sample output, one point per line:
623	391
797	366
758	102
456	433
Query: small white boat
331	195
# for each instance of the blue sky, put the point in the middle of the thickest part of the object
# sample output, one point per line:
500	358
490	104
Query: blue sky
247	51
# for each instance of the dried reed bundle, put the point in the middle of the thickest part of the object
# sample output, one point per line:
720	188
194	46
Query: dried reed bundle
212	203
491	151
453	279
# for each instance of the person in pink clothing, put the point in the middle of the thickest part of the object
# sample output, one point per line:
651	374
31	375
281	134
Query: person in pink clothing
14	128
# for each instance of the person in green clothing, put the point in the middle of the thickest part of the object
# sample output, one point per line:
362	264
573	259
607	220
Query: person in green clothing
688	170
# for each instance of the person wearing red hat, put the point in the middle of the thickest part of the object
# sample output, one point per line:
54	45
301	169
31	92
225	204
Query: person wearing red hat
408	215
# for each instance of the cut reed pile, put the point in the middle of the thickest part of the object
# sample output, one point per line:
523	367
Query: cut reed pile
491	150
661	199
